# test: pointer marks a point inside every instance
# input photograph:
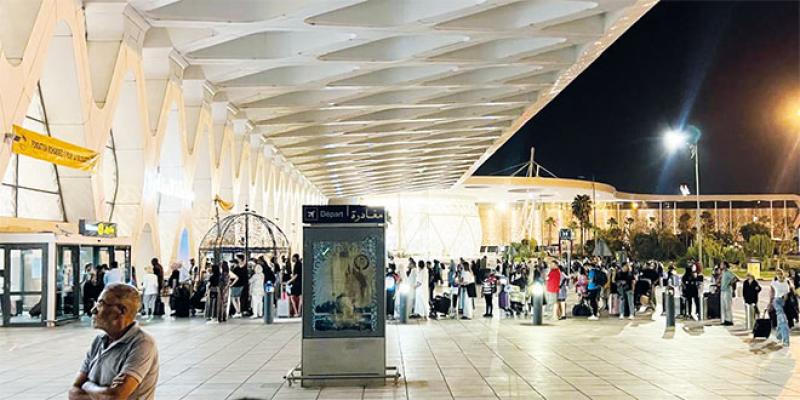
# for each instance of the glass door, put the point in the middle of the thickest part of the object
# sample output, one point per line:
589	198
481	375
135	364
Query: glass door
68	288
3	298
103	255
25	301
122	255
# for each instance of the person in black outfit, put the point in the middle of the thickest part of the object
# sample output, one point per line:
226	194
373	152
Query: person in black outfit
240	280
431	280
269	274
213	293
624	282
91	292
691	281
296	282
750	290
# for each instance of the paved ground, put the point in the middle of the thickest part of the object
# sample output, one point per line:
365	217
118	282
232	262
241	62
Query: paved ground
478	359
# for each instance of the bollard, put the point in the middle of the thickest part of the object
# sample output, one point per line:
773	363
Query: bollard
538	299
749	316
703	309
404	289
669	305
269	315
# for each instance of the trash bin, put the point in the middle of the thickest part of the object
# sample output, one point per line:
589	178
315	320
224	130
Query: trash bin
754	268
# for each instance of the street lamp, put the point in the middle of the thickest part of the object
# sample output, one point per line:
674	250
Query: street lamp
675	139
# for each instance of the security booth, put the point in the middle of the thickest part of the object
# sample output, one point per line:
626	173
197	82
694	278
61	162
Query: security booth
344	318
42	274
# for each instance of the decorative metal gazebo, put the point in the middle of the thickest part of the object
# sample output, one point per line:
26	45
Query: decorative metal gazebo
244	233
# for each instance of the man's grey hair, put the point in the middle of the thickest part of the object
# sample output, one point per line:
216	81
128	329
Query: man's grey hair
127	296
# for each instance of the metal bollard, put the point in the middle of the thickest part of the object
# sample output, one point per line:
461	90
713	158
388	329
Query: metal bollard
538	299
749	316
269	315
669	305
404	289
703	308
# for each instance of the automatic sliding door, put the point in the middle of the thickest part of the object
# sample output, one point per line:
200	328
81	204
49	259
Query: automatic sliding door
4	303
25	275
67	283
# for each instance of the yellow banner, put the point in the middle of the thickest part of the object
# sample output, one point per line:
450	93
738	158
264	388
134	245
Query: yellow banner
52	150
223	204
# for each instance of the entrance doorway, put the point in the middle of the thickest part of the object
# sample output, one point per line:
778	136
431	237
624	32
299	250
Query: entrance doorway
23	294
75	266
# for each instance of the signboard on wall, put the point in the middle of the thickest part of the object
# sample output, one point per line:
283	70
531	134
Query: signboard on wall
350	214
565	234
97	229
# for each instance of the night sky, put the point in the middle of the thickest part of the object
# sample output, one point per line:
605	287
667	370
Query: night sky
727	67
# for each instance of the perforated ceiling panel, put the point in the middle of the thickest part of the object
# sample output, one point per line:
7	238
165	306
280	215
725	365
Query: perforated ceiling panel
380	96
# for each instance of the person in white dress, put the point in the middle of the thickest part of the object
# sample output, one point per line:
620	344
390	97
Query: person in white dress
402	275
149	285
465	301
257	292
421	306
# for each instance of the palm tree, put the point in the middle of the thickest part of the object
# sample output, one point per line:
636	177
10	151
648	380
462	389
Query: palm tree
707	221
612	223
685	228
628	229
581	207
551	223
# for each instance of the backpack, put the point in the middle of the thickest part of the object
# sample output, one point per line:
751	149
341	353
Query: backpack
600	278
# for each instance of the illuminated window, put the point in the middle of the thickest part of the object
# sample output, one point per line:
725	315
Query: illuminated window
32	185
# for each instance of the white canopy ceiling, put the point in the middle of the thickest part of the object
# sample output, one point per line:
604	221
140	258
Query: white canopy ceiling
380	96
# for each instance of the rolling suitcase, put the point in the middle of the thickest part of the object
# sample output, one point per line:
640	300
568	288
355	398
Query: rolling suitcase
503	300
762	327
441	304
713	306
159	307
613	308
283	308
182	302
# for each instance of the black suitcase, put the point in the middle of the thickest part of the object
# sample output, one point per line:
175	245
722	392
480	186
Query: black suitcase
182	302
441	304
159	307
199	298
713	306
581	310
762	328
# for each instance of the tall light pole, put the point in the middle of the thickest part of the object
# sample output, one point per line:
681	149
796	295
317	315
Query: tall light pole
690	137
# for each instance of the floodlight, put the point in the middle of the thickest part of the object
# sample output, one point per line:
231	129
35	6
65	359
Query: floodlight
674	139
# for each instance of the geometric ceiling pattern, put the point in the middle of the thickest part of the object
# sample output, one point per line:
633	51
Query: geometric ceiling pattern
380	96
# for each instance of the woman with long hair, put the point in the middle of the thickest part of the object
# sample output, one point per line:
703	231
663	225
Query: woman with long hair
224	289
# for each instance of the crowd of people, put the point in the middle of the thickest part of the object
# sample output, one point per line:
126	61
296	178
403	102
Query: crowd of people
234	288
601	288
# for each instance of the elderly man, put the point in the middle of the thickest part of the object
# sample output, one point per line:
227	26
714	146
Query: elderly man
122	363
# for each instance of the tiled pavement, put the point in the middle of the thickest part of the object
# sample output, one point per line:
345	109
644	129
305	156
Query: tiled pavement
478	359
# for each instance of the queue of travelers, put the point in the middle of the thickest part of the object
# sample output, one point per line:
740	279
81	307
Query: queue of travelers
234	288
237	288
622	290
